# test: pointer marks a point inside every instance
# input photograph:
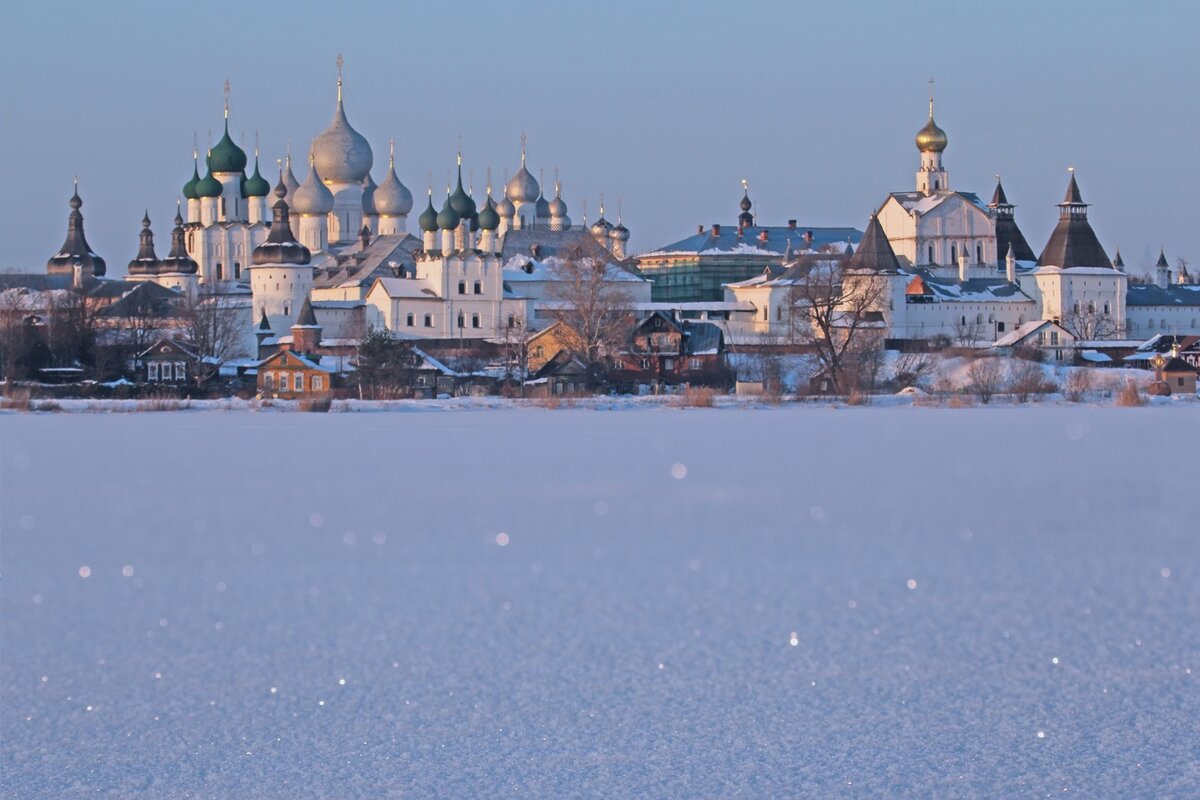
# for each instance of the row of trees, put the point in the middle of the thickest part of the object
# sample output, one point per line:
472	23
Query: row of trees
61	328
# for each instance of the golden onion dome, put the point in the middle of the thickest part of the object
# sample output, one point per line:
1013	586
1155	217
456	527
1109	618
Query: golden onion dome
931	138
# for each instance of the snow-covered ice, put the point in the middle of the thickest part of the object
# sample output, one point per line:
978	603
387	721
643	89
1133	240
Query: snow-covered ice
791	602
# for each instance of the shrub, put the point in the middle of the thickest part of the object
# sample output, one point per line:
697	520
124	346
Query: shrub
1079	383
1129	395
695	397
985	376
46	405
1027	379
857	398
960	401
16	398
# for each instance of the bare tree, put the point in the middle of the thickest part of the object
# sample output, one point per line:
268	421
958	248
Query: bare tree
985	376
912	368
593	306
1026	378
1090	324
838	317
968	333
217	328
515	338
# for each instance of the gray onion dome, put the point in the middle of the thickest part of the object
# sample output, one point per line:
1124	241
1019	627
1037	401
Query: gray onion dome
558	207
313	196
505	208
392	198
619	233
342	154
289	182
542	207
522	187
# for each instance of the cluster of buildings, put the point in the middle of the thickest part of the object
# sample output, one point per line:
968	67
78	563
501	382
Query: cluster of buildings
336	253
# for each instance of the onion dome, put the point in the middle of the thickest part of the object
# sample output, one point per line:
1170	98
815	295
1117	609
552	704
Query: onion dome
178	261
368	196
745	219
313	196
489	219
558	207
931	138
189	188
145	262
392	198
75	250
505	207
225	155
290	184
281	246
542	207
342	153
745	205
429	217
208	186
256	185
522	187
460	201
601	227
619	232
448	219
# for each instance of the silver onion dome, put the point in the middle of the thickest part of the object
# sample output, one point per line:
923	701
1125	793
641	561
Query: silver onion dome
342	153
392	198
313	197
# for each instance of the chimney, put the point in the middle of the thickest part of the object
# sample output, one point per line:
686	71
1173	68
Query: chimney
716	229
699	229
808	237
1010	266
365	234
762	236
792	224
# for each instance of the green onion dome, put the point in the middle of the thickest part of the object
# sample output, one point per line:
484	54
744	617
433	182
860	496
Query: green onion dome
189	188
226	156
448	219
208	186
489	219
256	185
429	218
460	201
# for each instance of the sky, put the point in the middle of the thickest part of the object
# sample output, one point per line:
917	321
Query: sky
661	106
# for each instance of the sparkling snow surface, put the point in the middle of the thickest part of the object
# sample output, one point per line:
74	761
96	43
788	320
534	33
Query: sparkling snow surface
794	602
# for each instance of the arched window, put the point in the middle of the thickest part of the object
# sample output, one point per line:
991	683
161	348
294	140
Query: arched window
953	254
478	287
937	185
978	253
409	320
462	288
474	320
287	309
462	320
429	320
931	254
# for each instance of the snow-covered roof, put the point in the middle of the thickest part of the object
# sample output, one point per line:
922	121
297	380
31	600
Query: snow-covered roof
1153	295
1095	357
972	290
520	268
924	203
1028	329
732	241
406	288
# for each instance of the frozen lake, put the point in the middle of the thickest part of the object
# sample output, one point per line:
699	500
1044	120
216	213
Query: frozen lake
794	602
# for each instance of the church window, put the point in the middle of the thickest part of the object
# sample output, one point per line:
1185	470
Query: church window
474	320
931	261
1106	309
237	270
462	287
478	287
963	321
429	320
462	320
999	327
953	254
766	312
220	271
978	253
778	313
979	319
152	371
409	320
512	321
287	310
937	185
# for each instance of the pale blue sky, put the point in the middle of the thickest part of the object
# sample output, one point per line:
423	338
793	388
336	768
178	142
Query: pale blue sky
666	106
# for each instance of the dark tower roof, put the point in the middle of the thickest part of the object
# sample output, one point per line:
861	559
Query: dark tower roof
281	246
146	261
1162	258
178	260
307	318
1073	242
875	251
75	249
264	327
1007	233
1118	262
745	219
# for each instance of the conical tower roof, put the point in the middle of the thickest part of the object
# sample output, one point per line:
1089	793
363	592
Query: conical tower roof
307	318
874	251
75	250
178	261
146	261
281	246
1073	243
